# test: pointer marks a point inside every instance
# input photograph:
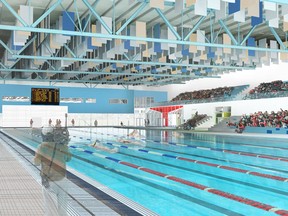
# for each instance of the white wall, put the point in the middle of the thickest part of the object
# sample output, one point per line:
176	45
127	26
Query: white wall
238	108
19	116
251	77
103	119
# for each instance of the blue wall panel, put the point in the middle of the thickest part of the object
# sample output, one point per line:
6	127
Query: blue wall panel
14	90
127	45
159	96
185	52
102	98
266	130
89	44
67	21
234	7
156	34
210	53
251	43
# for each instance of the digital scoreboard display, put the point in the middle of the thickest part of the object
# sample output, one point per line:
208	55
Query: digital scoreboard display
45	96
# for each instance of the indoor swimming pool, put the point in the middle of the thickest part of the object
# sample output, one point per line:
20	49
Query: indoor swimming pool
173	173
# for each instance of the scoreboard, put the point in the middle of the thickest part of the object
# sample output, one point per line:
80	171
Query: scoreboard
45	96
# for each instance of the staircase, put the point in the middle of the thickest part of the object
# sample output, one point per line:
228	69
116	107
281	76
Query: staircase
205	123
202	121
222	126
237	93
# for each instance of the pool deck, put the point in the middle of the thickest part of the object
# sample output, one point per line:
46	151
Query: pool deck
197	130
21	189
20	193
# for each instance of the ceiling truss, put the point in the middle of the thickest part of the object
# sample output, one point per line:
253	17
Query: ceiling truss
133	42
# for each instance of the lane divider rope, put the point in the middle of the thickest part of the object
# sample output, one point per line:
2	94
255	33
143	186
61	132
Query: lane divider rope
214	191
278	178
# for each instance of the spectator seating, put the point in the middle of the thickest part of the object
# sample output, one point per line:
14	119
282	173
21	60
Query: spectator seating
209	95
204	94
264	119
276	88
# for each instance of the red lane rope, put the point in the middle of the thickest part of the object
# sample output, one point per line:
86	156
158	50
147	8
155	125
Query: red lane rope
237	198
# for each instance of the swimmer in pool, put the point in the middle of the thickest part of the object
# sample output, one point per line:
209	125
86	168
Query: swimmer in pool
134	134
98	145
128	141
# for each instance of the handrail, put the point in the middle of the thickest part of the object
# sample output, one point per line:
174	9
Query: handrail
225	98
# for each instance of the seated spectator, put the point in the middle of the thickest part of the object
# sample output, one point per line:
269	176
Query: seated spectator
230	124
276	88
258	119
211	94
240	127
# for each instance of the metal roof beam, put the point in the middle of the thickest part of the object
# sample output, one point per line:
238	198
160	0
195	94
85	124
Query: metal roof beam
70	51
142	6
86	11
248	35
166	3
126	56
77	81
6	47
277	1
228	32
278	38
44	15
27	44
47	71
97	16
78	17
16	15
195	27
3	66
122	37
6	69
168	23
129	62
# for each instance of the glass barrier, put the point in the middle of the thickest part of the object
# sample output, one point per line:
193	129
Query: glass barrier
226	98
266	95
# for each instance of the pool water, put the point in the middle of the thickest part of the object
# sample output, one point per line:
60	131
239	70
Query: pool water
172	173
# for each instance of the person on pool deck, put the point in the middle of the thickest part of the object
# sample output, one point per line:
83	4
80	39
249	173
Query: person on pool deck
31	123
52	154
73	122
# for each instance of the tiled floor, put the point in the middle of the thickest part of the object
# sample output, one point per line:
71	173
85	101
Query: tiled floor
21	190
20	193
